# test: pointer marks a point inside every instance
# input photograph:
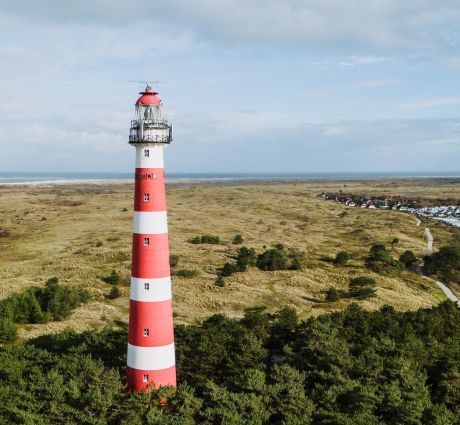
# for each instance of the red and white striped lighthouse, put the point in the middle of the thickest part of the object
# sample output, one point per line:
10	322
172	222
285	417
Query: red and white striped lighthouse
151	355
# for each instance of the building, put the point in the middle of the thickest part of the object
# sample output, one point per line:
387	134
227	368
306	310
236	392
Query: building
151	353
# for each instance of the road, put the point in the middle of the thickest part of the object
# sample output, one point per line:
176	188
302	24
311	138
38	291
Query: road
429	247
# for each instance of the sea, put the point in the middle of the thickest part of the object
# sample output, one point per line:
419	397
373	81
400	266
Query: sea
40	178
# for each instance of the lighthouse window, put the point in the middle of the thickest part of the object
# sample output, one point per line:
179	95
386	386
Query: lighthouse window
146	332
147	286
145	378
146	197
146	241
146	153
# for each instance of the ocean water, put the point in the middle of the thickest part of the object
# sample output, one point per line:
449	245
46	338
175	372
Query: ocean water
31	178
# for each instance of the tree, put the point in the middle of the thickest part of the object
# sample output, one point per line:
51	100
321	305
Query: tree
380	261
228	269
445	262
114	293
342	258
332	295
362	287
113	278
8	330
409	259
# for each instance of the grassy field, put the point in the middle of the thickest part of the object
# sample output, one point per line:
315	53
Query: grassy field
80	233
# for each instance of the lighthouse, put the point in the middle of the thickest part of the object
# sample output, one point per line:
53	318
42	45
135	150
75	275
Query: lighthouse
151	354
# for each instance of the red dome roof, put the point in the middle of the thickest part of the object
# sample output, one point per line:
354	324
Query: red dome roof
148	97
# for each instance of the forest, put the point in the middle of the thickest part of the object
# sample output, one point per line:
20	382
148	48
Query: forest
350	367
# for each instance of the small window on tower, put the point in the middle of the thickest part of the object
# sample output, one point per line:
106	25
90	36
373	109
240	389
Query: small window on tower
146	197
147	286
145	378
146	241
146	153
146	332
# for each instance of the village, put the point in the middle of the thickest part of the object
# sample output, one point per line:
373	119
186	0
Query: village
448	214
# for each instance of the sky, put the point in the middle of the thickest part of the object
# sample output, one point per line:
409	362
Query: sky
249	85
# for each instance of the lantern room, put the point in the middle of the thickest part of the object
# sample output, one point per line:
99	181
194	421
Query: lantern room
148	124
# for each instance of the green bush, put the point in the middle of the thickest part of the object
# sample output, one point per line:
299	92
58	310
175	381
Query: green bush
8	330
113	278
362	287
237	239
38	305
220	282
332	295
279	258
445	262
228	269
187	273
114	293
409	259
174	260
205	239
342	258
380	261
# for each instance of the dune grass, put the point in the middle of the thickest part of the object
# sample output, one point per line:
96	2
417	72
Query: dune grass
80	233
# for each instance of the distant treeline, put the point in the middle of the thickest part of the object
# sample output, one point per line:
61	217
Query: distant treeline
350	368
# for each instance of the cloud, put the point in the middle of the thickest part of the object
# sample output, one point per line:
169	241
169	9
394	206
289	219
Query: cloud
430	103
375	83
409	24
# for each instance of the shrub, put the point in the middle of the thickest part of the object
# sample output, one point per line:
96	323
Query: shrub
362	287
114	293
8	330
445	262
208	239
332	295
38	305
228	269
237	239
98	244
409	259
220	282
246	257
380	261
279	258
342	258
187	273
113	278
174	260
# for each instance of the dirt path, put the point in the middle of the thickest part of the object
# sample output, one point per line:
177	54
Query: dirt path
429	247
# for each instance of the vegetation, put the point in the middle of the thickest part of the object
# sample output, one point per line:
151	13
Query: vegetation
445	263
380	261
342	258
114	293
238	239
38	305
349	367
409	259
174	260
113	278
332	295
187	273
279	258
209	239
362	287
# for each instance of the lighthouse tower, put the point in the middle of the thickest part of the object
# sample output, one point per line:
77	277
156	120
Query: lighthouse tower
151	356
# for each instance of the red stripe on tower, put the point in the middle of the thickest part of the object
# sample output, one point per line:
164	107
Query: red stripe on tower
151	353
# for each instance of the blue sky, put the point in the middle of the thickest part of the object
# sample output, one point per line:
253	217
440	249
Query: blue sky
250	86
